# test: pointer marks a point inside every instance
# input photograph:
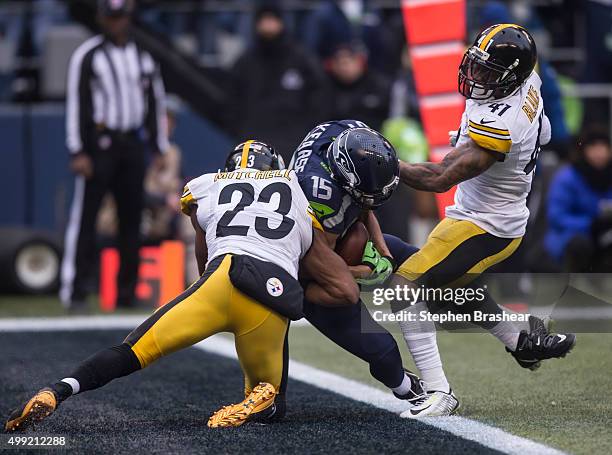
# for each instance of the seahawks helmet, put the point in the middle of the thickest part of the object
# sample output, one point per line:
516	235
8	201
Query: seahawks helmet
254	155
365	164
500	60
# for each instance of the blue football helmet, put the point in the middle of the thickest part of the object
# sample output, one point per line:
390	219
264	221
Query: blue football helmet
365	164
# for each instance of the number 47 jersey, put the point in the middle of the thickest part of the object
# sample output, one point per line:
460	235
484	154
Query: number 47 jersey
514	128
263	214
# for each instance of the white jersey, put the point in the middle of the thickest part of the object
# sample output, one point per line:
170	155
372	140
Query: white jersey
515	126
263	214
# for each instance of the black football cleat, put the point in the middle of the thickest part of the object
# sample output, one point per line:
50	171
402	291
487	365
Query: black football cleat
39	407
539	327
536	346
416	391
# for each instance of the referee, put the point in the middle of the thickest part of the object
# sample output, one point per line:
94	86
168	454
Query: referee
114	114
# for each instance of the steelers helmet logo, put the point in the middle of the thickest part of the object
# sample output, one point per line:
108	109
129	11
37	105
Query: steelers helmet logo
274	287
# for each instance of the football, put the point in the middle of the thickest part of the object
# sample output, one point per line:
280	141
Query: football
351	245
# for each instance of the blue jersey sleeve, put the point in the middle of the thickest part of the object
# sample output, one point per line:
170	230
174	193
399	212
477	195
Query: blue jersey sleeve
333	207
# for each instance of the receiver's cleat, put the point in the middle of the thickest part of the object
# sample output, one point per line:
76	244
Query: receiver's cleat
39	407
433	404
416	388
259	402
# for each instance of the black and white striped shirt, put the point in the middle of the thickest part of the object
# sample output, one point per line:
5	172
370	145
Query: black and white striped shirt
115	88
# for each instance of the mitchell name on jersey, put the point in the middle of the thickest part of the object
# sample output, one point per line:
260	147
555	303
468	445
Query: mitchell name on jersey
515	127
263	214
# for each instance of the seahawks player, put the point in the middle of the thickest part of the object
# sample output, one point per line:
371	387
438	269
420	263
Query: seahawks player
493	161
252	228
346	170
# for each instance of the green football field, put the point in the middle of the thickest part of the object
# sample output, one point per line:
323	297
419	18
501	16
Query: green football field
566	404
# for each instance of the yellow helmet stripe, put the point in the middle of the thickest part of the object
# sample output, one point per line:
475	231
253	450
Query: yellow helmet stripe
245	153
487	39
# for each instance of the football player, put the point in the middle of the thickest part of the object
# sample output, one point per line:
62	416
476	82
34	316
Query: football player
347	170
493	162
252	228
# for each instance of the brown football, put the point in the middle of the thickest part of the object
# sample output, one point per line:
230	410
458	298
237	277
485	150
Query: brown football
351	245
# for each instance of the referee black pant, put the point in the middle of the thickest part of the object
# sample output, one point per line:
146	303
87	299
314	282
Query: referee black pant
118	167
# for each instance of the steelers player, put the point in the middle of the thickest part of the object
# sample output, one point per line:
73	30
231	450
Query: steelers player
493	162
252	229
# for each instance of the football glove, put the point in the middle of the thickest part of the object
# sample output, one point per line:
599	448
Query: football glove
452	138
382	266
371	256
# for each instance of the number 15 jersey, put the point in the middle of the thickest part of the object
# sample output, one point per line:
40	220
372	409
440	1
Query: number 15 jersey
514	127
263	214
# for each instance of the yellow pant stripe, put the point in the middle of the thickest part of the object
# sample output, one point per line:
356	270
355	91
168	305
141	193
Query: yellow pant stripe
487	262
496	258
445	237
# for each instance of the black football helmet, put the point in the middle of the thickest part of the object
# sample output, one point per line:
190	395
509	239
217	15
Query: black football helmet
254	155
500	60
365	164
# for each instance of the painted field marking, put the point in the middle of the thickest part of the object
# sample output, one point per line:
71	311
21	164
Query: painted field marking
462	427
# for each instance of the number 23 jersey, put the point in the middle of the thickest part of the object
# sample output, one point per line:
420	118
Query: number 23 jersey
263	214
514	127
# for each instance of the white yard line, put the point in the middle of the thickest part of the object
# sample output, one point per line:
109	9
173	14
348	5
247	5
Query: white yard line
596	313
70	323
465	428
459	426
582	314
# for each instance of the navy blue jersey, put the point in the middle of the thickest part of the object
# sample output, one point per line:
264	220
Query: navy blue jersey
333	206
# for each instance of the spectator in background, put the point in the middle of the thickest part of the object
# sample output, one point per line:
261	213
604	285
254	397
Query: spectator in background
598	60
356	90
580	208
336	22
163	185
278	89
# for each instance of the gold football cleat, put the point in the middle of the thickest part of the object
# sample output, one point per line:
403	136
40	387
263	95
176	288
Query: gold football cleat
38	408
234	415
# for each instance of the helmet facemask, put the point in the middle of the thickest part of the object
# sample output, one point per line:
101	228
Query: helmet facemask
482	79
370	201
